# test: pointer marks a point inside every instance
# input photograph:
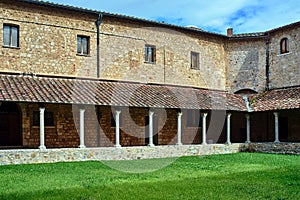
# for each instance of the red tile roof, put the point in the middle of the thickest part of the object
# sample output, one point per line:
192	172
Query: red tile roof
279	99
21	88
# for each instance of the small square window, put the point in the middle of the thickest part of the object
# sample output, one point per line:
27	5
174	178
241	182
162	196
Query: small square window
83	45
48	118
10	35
150	52
193	118
195	60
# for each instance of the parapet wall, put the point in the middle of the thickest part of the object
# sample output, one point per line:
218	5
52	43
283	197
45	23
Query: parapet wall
279	148
34	156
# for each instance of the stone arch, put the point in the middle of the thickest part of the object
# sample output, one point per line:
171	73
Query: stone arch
245	91
10	125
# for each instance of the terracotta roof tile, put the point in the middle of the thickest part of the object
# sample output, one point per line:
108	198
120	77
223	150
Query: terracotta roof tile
279	99
93	92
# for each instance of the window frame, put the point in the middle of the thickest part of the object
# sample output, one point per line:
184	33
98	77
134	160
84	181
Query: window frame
80	39
195	66
48	119
150	54
284	45
11	36
193	118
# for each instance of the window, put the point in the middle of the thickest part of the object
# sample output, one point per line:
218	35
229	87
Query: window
284	46
48	119
10	35
150	54
83	45
195	60
113	121
193	118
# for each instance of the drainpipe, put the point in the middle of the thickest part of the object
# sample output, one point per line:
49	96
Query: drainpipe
268	63
98	23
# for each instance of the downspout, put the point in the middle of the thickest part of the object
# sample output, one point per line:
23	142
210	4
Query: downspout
98	23
268	63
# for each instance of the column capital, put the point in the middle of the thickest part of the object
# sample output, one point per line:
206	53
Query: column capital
204	114
247	116
151	112
179	114
118	111
42	109
276	114
229	114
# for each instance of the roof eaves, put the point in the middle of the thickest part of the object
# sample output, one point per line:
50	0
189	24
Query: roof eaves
97	12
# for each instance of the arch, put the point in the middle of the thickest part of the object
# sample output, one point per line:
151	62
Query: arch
284	45
246	91
10	125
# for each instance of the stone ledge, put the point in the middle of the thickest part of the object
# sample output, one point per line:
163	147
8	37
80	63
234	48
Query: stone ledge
277	148
33	156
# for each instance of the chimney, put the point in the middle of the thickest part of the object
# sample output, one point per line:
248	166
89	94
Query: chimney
229	32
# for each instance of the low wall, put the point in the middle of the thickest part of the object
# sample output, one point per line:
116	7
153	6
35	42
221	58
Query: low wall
31	156
279	148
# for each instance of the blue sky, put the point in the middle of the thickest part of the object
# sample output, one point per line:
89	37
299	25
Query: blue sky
243	16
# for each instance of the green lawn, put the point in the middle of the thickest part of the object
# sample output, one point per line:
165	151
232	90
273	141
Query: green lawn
236	176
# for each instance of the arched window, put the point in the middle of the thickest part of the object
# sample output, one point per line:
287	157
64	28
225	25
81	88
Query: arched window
284	46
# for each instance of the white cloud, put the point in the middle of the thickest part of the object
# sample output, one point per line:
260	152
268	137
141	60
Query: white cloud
216	15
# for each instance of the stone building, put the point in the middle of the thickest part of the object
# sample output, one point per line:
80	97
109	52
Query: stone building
72	77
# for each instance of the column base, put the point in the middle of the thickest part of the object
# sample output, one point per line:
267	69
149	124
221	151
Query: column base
203	143
277	141
248	142
179	144
42	147
82	147
151	145
228	143
118	146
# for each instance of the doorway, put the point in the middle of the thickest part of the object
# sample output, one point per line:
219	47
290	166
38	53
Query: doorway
10	125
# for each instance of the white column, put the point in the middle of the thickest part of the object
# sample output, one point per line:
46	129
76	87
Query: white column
248	128
204	115
81	131
276	114
118	112
179	129
151	114
42	129
228	128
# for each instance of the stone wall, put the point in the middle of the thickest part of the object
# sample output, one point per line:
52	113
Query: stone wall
48	46
111	153
246	65
280	148
48	40
285	68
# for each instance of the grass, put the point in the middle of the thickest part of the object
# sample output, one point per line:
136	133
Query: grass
236	176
